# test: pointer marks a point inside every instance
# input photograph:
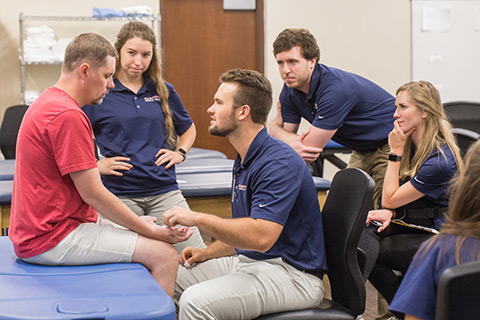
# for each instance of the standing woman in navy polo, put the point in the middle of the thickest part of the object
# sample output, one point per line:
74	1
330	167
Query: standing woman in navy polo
135	129
424	157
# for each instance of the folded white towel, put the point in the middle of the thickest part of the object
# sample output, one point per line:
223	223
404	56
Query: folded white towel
142	10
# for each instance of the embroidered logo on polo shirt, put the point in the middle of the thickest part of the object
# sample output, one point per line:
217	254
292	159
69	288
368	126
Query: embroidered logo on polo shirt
152	98
242	187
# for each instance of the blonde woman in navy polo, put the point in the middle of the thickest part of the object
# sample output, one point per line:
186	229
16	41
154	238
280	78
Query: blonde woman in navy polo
424	157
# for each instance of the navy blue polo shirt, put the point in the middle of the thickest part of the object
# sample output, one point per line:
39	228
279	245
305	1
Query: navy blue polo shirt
434	175
133	125
417	294
360	111
273	183
433	178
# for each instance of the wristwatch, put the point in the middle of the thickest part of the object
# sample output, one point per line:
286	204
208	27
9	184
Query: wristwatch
393	157
183	153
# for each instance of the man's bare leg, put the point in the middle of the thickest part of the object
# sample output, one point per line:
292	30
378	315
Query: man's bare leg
160	258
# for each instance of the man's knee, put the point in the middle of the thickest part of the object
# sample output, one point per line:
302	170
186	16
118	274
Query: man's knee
150	252
192	305
165	252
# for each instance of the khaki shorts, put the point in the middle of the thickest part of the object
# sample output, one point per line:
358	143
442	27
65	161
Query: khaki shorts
91	243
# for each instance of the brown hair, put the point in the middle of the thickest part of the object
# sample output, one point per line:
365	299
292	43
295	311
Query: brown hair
141	30
254	90
90	47
302	38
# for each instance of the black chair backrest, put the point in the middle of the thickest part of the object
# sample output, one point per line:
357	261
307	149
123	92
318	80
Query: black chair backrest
458	294
465	138
464	114
9	130
344	216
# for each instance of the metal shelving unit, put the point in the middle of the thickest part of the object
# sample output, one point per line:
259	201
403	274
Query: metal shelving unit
154	20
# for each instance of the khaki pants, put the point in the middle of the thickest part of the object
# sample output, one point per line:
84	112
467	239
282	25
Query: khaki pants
375	164
238	287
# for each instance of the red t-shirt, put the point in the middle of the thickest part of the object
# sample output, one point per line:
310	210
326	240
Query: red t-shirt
55	139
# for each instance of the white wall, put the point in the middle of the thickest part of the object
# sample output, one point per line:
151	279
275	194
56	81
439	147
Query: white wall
446	47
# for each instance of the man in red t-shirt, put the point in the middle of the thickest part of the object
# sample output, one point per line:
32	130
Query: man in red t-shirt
58	191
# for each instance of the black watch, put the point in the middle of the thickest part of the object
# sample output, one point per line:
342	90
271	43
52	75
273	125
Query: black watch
393	157
183	153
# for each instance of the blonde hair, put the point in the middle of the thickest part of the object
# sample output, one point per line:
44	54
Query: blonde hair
438	131
139	29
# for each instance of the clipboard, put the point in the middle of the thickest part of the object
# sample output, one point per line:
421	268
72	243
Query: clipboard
415	226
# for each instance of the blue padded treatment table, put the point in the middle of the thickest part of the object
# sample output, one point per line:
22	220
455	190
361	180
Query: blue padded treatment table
334	145
199	153
6	188
211	192
106	291
203	165
7	168
205	184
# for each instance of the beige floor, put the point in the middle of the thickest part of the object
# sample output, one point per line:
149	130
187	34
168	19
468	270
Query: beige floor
371	304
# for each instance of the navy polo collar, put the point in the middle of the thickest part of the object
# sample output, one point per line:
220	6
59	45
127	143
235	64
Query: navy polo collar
314	81
148	85
314	84
254	148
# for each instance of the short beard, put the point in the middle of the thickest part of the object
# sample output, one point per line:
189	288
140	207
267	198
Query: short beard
223	132
216	131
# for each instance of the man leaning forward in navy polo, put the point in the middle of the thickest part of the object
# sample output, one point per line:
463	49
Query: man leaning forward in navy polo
270	257
340	105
